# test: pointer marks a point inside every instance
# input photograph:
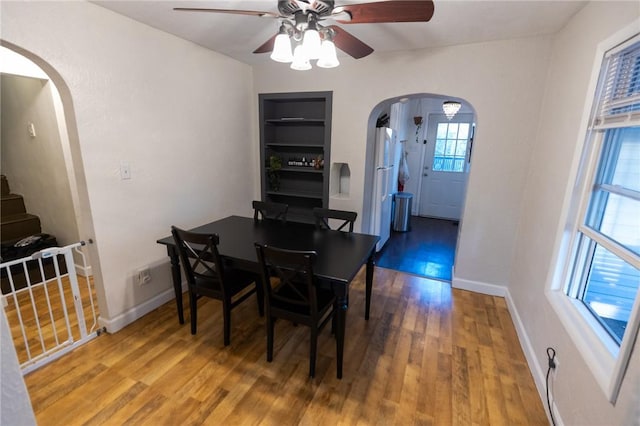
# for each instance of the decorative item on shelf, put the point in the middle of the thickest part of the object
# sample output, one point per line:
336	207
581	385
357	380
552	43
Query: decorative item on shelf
451	108
300	162
273	172
319	163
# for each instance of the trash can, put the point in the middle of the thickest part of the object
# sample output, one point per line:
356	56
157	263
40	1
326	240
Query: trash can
402	211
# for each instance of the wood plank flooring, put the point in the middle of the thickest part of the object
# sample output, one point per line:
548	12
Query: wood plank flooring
429	355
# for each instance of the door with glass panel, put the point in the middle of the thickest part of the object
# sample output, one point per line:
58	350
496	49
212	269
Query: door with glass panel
446	166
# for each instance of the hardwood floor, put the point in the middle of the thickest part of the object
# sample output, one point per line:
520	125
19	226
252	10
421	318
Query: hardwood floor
428	249
429	355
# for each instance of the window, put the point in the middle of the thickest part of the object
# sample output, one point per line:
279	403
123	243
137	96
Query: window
451	147
603	272
605	278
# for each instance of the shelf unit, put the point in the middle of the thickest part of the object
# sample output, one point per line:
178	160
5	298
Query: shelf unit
296	128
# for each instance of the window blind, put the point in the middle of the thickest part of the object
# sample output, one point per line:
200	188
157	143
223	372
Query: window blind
620	88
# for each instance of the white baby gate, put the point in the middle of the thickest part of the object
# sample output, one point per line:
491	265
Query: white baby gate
42	325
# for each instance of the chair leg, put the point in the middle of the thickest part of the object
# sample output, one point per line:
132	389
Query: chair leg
193	308
333	324
270	330
226	313
313	350
260	297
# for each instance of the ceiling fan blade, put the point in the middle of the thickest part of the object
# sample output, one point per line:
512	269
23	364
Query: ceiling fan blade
229	11
386	11
267	46
349	44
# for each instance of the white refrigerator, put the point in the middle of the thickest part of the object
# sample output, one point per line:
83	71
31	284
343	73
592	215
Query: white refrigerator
383	185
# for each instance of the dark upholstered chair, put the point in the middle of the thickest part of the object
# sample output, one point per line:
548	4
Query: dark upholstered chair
207	276
269	210
322	217
291	294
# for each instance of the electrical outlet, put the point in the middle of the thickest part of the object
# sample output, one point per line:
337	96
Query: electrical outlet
143	276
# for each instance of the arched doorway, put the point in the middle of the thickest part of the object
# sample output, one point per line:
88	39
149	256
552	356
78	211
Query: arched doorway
421	131
61	128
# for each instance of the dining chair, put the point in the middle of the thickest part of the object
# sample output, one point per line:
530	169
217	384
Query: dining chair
270	210
291	293
322	217
207	276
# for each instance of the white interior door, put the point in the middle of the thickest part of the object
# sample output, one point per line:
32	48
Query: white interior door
446	166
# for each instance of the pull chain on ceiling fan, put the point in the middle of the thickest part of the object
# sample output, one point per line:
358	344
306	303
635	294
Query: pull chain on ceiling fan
302	37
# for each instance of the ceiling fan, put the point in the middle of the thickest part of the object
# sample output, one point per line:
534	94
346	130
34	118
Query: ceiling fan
302	20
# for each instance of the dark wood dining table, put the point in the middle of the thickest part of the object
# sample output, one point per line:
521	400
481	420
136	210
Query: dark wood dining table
340	257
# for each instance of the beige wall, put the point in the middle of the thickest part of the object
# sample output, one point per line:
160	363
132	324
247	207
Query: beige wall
35	167
549	182
14	397
185	119
501	80
178	113
521	159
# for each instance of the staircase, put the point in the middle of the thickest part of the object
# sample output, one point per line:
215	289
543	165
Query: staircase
15	225
16	222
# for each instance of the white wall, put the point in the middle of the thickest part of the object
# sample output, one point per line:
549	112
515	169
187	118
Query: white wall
558	141
185	119
35	166
181	115
15	405
490	77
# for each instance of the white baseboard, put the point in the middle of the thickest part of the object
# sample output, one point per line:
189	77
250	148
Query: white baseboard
537	371
478	287
85	272
539	375
119	322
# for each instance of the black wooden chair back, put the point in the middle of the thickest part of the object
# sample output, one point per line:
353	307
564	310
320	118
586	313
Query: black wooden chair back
200	260
269	210
291	293
207	276
322	217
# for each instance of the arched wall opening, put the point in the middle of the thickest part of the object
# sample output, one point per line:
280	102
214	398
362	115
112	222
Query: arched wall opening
401	110
65	118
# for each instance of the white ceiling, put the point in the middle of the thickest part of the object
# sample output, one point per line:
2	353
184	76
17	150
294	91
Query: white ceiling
453	22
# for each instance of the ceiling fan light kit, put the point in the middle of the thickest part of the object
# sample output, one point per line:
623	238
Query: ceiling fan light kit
310	44
328	56
300	59
301	27
282	47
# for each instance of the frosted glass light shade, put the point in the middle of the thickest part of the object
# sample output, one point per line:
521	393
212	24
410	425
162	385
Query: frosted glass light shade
282	49
311	43
328	58
451	108
300	59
